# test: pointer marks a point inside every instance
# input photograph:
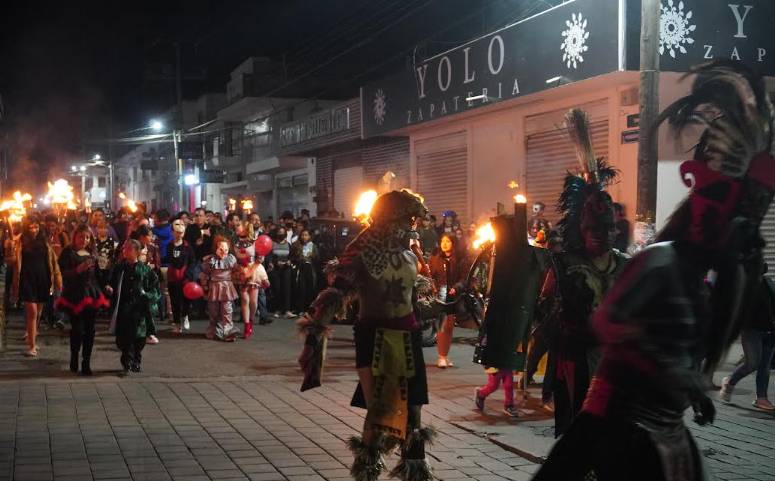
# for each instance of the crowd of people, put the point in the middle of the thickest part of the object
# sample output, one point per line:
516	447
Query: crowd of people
135	268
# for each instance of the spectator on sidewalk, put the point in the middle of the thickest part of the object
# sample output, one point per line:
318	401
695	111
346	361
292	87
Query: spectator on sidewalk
281	273
135	289
429	238
448	274
758	340
105	248
304	256
622	242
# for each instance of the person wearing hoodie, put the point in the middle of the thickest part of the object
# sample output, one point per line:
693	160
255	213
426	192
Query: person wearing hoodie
162	232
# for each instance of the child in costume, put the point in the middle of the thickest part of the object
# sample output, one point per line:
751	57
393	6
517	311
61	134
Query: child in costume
249	275
135	289
81	297
217	281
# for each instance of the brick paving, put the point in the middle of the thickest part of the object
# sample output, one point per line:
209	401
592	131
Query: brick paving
206	410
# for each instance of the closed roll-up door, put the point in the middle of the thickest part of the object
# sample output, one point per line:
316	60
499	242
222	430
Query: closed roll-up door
550	155
768	232
442	173
348	183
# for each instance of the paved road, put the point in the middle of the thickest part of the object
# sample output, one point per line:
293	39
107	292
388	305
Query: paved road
208	410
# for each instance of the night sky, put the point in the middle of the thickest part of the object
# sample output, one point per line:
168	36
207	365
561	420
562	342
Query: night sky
71	71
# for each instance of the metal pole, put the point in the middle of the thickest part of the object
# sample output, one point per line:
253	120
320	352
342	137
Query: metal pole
178	168
179	126
648	149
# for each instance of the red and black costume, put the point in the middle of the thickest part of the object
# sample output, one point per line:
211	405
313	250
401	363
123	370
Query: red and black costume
81	298
580	275
662	327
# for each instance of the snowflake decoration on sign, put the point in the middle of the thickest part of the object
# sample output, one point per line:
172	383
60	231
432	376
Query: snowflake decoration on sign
674	28
380	106
575	41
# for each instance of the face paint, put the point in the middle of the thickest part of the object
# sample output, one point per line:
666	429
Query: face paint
598	228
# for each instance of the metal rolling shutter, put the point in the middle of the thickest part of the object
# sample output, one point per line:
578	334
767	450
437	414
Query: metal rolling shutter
442	173
348	183
768	232
550	155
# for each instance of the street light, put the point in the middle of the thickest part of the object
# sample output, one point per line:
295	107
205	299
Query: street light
155	125
97	157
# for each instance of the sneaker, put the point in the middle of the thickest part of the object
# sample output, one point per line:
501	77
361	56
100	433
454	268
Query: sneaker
479	400
135	367
764	404
31	353
153	339
511	412
725	394
290	314
548	406
442	363
186	324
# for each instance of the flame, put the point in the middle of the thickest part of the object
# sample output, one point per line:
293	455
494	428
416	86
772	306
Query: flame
232	204
520	199
512	184
247	204
484	234
128	203
363	206
15	206
60	194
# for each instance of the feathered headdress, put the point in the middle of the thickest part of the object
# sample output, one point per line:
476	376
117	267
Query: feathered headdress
730	102
587	185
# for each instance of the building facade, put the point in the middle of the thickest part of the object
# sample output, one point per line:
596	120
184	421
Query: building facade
490	112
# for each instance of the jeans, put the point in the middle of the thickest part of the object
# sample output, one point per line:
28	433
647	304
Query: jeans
263	312
758	347
494	380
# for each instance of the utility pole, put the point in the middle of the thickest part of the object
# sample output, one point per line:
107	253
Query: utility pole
648	148
179	123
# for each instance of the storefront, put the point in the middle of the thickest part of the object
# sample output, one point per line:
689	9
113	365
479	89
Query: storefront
490	112
345	165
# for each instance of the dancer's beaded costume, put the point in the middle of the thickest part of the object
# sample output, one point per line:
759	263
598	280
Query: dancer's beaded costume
379	267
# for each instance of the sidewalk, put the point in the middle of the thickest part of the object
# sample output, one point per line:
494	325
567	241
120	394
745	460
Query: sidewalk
208	410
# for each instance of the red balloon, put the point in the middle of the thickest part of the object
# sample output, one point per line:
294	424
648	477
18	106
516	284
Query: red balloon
263	245
192	291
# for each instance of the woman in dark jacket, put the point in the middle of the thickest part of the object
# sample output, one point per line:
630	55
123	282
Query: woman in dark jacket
448	271
304	255
81	296
280	273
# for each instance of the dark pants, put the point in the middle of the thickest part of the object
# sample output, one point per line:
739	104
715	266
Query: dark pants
569	390
758	347
281	287
131	350
540	347
82	334
263	311
180	305
304	293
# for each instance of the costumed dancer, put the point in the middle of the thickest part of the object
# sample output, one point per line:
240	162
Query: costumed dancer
314	326
81	296
216	279
661	325
581	275
381	268
180	260
250	275
135	289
